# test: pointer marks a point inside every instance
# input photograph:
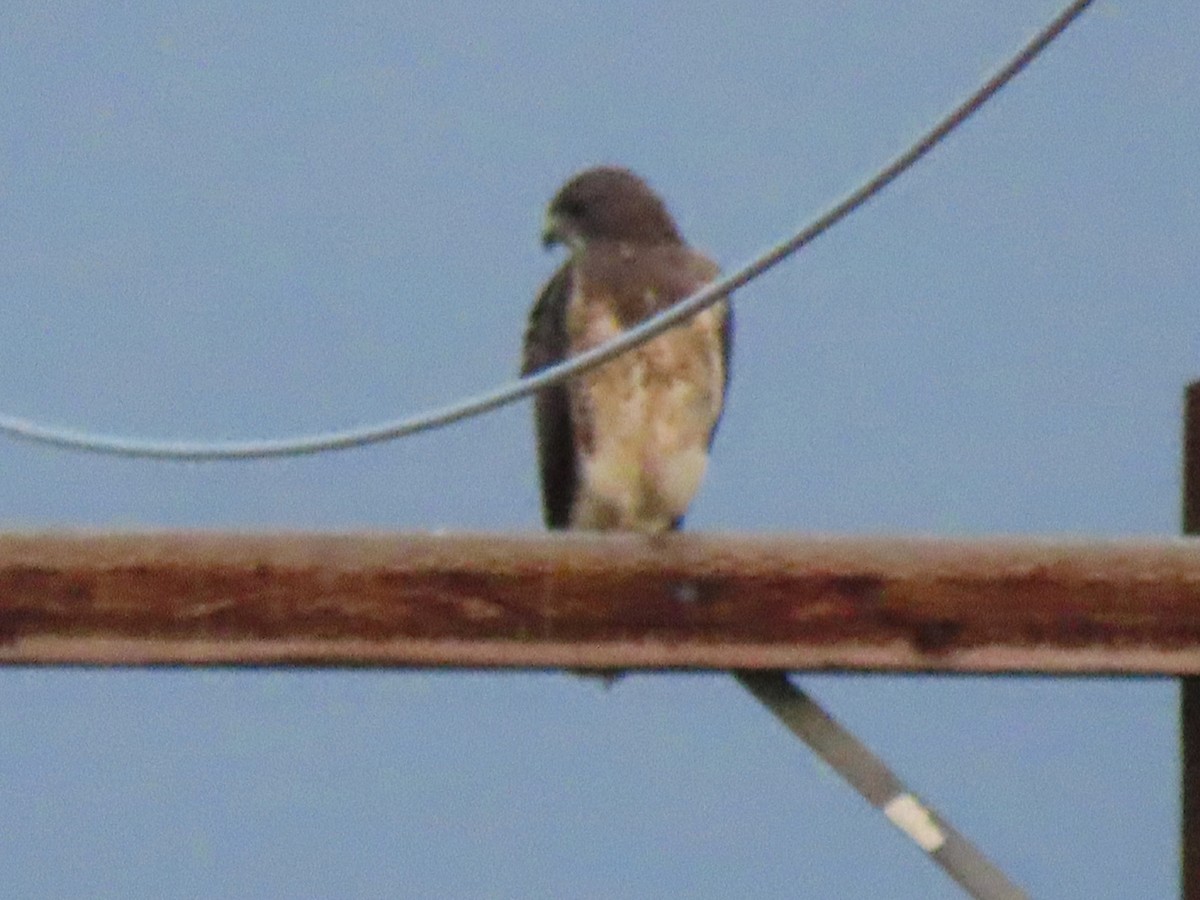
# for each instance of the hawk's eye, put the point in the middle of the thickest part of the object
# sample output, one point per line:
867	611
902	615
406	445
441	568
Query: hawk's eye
571	207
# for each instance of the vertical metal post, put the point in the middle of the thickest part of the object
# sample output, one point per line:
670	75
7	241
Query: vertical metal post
1189	705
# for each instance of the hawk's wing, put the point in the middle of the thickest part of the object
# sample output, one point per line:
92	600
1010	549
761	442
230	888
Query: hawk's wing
546	344
726	360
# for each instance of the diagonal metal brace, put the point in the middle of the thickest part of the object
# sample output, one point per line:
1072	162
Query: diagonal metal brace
868	775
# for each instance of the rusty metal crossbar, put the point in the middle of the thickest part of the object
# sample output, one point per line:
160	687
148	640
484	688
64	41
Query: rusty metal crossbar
602	602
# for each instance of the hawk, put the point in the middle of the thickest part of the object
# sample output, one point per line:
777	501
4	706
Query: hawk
624	446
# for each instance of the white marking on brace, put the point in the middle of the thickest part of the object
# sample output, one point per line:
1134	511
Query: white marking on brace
906	813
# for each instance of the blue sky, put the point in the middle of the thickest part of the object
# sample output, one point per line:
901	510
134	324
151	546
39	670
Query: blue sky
226	222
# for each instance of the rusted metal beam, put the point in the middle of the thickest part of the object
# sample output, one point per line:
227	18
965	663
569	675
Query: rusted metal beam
592	601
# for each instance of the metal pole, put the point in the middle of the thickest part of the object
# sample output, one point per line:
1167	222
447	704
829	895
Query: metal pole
868	775
1189	704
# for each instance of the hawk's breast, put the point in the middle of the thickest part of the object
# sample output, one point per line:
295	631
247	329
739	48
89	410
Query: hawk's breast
642	422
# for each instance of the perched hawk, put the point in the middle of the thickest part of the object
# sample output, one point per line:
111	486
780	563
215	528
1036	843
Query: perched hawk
624	447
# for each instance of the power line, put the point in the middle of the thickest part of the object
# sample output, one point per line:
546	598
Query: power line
116	445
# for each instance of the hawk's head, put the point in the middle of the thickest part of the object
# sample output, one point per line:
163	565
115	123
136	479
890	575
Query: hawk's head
607	203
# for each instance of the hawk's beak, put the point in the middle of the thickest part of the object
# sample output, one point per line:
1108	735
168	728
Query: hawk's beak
551	232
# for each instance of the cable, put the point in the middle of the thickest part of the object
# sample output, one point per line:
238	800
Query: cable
114	445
